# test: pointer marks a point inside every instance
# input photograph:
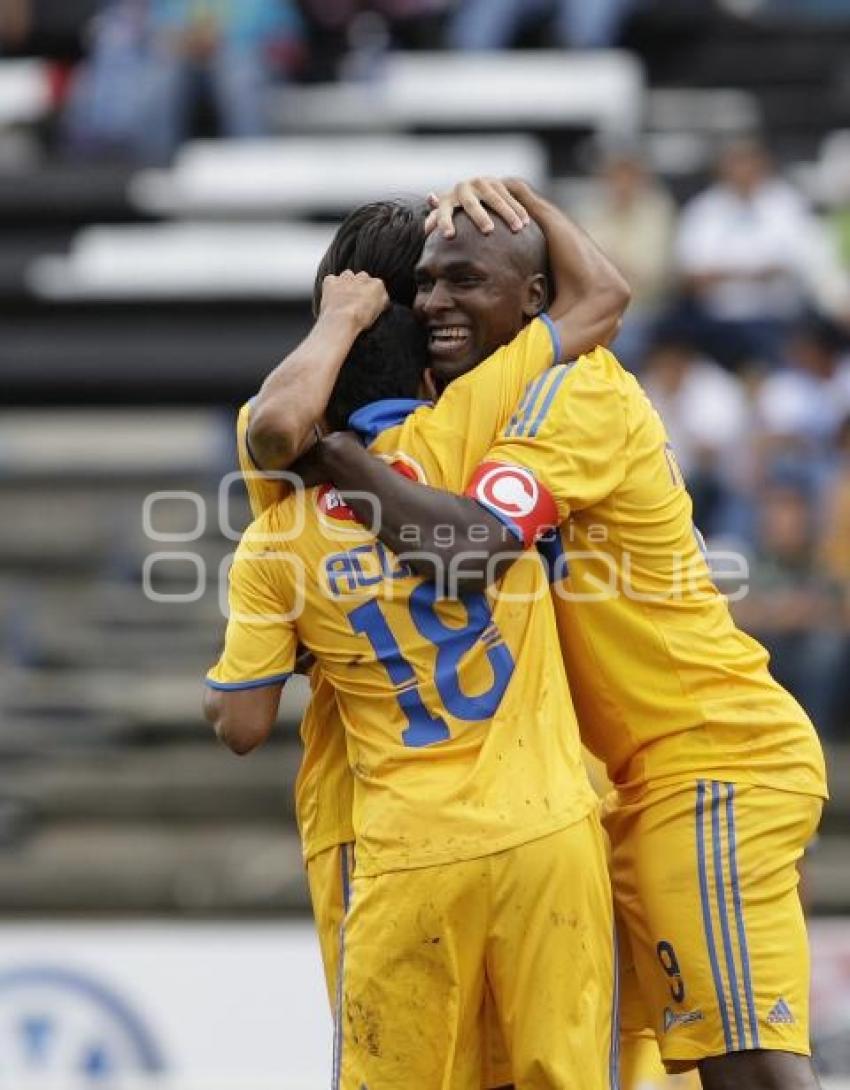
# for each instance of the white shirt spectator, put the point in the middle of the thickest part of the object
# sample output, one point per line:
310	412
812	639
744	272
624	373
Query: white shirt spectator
768	245
798	405
706	413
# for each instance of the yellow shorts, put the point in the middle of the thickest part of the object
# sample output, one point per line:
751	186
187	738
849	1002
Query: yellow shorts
419	945
705	882
641	1067
329	877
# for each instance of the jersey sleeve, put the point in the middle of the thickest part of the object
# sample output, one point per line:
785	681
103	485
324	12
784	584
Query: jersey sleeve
477	406
263	491
260	641
571	435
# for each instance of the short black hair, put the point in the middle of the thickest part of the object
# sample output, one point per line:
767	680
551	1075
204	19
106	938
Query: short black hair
386	361
383	239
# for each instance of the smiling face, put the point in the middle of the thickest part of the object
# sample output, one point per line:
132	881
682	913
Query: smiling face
475	292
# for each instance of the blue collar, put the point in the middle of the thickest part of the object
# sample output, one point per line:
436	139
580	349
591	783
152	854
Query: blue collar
378	416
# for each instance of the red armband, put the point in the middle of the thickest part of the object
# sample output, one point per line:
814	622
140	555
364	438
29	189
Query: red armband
515	496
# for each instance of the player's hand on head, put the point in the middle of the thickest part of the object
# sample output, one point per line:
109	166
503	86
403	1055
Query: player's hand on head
358	295
480	199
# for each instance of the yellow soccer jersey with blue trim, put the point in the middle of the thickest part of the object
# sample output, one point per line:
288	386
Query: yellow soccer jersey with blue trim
263	490
458	718
324	789
664	683
483	400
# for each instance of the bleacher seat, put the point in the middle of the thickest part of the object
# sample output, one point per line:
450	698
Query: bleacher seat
185	261
119	443
24	91
601	90
714	110
319	175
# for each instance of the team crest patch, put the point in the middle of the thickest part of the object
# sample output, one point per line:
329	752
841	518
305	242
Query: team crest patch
781	1014
332	505
406	466
686	1018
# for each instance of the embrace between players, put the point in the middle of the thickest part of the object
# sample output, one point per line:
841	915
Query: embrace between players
453	844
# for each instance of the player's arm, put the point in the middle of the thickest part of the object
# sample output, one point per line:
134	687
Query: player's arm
591	294
294	396
412	519
242	719
562	453
242	692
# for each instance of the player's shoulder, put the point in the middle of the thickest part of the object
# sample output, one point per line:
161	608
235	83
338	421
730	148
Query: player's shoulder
600	372
277	522
592	393
424	448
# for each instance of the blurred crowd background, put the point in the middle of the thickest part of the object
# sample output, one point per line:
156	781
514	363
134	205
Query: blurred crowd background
170	172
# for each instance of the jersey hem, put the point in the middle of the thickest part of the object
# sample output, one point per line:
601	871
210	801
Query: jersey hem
686	1058
638	789
392	863
258	683
322	846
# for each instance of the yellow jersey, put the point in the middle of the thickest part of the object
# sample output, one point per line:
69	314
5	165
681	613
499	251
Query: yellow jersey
324	789
459	725
665	685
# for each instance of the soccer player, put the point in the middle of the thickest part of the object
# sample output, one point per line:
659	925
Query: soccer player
719	774
478	850
385	239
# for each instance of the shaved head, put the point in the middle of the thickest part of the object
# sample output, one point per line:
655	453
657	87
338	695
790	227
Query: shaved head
525	250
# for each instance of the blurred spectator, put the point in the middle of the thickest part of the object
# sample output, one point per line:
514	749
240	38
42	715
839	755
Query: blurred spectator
108	103
752	254
801	408
707	416
793	607
839	223
153	60
580	24
350	38
15	19
835	555
632	217
835	550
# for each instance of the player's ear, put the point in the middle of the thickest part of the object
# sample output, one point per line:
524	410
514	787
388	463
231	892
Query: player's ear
535	295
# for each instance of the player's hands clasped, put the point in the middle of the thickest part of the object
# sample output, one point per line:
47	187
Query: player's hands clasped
355	295
478	198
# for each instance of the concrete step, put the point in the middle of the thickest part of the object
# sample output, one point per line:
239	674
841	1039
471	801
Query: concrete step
88	867
179	783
